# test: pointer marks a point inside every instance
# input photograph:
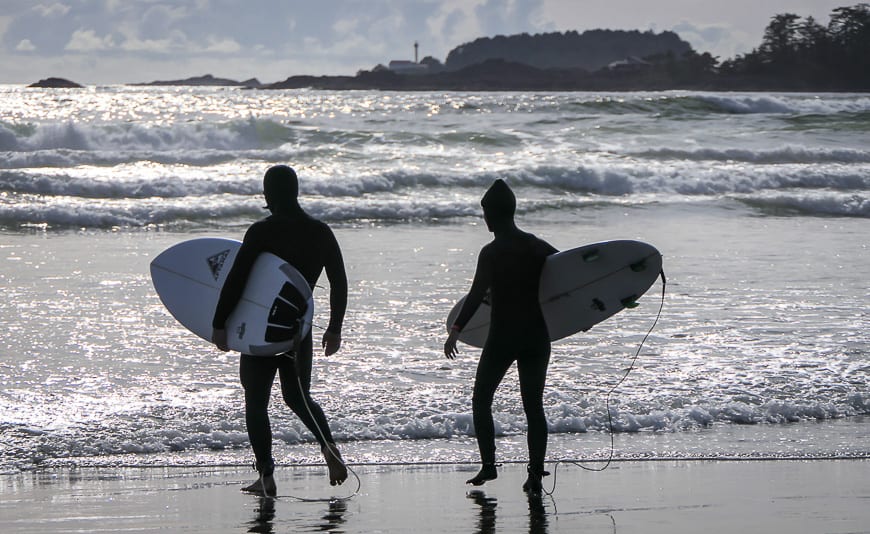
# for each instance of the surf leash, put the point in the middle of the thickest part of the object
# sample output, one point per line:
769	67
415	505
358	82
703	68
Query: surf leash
610	393
332	451
330	446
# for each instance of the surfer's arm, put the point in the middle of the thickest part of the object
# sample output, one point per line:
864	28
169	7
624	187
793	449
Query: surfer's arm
234	285
335	272
479	286
450	349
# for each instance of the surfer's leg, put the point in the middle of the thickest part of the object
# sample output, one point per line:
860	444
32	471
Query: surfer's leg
490	372
532	369
257	374
295	376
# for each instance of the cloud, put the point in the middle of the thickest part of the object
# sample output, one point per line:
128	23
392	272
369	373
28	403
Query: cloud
346	25
159	21
720	40
453	23
89	41
25	46
222	46
174	43
508	17
52	10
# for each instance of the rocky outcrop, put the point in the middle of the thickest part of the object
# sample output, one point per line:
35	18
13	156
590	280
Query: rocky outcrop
206	80
56	83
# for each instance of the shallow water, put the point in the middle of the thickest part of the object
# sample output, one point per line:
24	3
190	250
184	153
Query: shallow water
758	205
736	345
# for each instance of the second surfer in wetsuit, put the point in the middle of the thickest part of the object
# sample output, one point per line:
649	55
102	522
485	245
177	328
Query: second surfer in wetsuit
509	269
310	246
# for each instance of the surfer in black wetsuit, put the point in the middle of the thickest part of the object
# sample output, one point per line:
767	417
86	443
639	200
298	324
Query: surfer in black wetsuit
509	269
310	246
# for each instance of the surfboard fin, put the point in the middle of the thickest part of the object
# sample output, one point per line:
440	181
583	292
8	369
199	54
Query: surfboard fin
590	256
598	304
285	313
277	334
630	302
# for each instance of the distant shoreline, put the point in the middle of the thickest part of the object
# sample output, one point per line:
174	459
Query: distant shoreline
495	76
796	54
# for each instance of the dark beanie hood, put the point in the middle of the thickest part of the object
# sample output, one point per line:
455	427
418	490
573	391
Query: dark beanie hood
499	201
281	188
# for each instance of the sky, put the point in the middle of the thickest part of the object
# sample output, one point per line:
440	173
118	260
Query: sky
133	41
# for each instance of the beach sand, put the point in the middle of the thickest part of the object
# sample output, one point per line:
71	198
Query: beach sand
763	496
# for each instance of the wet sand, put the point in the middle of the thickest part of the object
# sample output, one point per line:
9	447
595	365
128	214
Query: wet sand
634	496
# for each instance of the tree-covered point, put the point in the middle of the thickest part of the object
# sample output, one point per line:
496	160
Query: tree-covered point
795	54
590	50
798	51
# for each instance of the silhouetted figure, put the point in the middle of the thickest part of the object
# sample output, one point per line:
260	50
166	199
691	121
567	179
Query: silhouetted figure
509	271
310	246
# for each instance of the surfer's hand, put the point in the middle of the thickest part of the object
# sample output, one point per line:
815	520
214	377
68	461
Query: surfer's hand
219	338
331	342
450	349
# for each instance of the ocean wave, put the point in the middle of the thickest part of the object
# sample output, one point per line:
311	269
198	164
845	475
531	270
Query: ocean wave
666	104
201	143
207	144
841	205
230	135
676	104
763	156
785	104
67	200
215	211
622	178
129	183
122	187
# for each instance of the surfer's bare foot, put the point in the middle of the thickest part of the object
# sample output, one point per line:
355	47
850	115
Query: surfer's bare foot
265	486
337	469
534	484
487	473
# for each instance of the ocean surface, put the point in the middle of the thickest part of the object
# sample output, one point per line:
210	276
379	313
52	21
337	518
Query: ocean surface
759	202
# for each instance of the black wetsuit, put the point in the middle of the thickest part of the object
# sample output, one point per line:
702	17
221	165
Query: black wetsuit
310	246
509	268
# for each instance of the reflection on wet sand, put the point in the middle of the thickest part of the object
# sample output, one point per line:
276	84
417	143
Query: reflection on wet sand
486	520
264	517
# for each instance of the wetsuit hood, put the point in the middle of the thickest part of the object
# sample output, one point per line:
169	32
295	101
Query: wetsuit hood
281	189
499	205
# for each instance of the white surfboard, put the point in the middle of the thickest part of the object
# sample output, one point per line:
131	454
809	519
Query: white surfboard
580	288
276	306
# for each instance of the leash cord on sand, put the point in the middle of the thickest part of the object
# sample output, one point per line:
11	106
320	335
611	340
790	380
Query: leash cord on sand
610	392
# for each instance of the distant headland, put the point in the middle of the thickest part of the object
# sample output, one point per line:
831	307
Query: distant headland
796	54
56	83
208	80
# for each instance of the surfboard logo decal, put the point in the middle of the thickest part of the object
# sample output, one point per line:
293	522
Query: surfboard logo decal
216	263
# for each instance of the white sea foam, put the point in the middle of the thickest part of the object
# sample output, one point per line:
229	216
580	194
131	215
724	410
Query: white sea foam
416	157
75	198
789	104
789	154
